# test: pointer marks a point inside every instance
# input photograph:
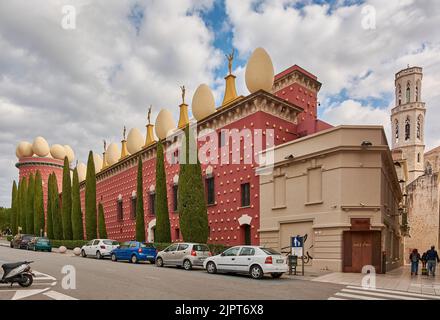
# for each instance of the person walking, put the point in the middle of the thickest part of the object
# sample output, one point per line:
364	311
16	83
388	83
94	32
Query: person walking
433	259
424	269
414	258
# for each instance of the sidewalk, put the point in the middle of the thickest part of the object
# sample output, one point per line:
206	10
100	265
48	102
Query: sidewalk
399	279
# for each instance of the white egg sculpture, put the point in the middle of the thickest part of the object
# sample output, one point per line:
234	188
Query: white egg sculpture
164	124
40	147
82	171
24	149
62	249
259	71
57	151
69	153
112	154
17	153
98	162
77	251
135	140
203	102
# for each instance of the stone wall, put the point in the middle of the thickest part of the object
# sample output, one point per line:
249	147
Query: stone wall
423	213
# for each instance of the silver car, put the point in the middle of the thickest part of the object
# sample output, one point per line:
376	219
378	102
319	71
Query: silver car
184	255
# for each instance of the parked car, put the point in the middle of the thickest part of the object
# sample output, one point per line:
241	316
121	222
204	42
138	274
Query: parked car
99	248
40	244
253	260
134	251
20	241
184	255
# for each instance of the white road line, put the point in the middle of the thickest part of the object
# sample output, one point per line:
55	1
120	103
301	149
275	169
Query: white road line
397	292
152	278
41	276
356	296
58	296
384	295
27	293
335	298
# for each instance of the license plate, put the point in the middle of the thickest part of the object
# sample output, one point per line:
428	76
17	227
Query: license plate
280	261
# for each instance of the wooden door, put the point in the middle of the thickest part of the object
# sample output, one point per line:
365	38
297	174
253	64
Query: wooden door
361	248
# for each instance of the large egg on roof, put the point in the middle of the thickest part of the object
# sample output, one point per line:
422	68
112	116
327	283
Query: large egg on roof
82	170
203	103
164	124
17	153
24	149
69	153
112	154
135	140
98	162
259	71
57	151
40	147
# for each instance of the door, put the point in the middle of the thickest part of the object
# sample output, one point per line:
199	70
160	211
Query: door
228	259
181	252
132	250
247	234
360	250
245	259
168	254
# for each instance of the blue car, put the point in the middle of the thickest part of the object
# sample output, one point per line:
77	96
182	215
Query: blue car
134	251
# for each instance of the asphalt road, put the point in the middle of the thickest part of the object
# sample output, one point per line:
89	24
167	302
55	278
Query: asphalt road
104	279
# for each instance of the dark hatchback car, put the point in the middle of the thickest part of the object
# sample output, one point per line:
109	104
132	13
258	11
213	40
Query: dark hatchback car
21	241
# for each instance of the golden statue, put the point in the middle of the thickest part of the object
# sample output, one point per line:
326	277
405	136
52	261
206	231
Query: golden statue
149	114
105	145
183	94
230	58
125	130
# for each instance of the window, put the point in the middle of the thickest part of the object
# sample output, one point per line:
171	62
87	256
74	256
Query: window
96	242
175	191
221	139
396	130
133	244
133	207
172	247
408	93
247	251
210	191
200	247
407	128
245	195
400	95
182	246
270	251
120	210
280	191
417	93
419	127
177	235
152	203
124	245
418	157
231	252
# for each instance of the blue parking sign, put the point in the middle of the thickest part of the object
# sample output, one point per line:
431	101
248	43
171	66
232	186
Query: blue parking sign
297	242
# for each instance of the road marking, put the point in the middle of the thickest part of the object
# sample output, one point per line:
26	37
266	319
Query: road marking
397	292
335	298
43	276
356	296
383	295
58	296
27	293
152	278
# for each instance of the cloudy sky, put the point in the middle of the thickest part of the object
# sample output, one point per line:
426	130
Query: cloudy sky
78	86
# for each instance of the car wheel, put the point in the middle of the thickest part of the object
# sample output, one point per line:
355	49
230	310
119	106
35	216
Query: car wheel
98	255
187	265
134	259
211	268
276	275
256	272
159	262
83	254
26	281
114	257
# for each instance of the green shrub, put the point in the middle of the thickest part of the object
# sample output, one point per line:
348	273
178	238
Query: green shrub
9	238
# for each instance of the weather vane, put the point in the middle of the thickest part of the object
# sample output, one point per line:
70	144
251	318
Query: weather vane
230	58
149	114
183	94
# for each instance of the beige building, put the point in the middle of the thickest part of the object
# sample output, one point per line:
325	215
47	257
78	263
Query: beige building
339	187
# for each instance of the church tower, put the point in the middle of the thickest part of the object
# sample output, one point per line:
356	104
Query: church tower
407	120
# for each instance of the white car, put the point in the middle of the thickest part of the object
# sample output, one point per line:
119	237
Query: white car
253	260
99	248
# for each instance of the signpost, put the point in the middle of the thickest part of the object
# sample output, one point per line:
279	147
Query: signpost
297	244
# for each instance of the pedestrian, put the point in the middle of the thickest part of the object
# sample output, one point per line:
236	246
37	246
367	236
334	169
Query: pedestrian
433	259
424	261
414	258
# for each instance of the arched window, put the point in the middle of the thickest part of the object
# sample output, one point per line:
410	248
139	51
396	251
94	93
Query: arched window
396	130
419	127
428	169
417	93
418	157
408	93
399	95
407	128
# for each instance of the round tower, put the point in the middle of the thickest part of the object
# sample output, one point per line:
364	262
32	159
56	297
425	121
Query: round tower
407	120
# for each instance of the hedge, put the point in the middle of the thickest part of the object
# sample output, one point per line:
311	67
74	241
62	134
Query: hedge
69	244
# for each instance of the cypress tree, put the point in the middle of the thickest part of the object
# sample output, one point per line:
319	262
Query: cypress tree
140	223
56	211
90	198
49	208
163	229
14	208
101	222
30	204
19	200
67	201
192	209
38	205
77	220
23	205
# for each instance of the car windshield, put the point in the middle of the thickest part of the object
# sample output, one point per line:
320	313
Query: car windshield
110	242
43	240
200	247
270	251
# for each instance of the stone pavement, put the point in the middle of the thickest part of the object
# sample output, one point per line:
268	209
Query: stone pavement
399	279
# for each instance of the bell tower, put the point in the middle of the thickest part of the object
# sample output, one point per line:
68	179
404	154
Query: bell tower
408	119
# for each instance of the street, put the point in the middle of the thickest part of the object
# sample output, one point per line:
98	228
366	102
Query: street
104	279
